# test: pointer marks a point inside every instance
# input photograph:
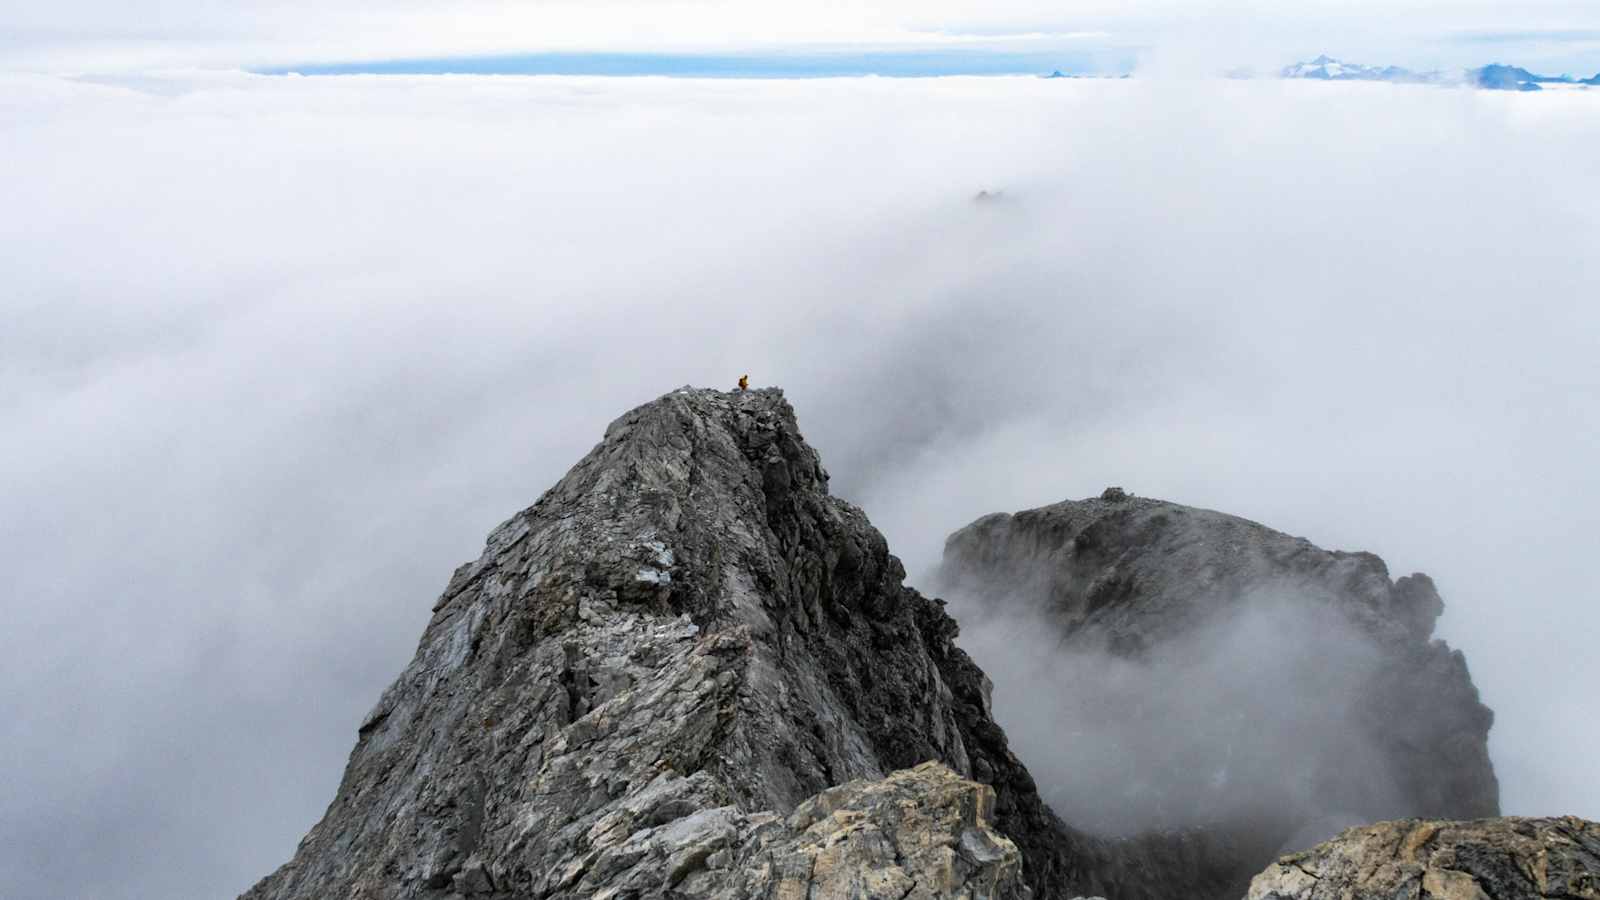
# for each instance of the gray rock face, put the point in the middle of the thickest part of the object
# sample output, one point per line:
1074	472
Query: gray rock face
1503	859
654	680
1251	683
917	835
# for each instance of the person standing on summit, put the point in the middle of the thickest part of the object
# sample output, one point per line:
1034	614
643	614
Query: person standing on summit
744	382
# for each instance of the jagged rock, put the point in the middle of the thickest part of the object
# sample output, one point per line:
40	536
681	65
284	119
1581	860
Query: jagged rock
683	643
1283	691
1502	859
918	834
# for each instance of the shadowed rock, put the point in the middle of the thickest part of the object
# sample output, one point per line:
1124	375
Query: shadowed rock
1249	682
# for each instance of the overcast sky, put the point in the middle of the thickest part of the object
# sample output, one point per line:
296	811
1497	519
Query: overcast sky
104	35
279	352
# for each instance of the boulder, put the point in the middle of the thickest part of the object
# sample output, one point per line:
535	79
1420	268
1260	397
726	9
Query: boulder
1487	859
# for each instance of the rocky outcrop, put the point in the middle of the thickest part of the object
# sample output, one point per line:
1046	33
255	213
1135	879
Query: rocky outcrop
916	835
1490	859
1252	683
1133	572
654	681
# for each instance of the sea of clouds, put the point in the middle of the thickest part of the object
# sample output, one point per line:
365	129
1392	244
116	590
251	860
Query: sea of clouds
278	352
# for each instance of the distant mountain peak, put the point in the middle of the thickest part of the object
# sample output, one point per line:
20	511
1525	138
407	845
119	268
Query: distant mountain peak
1501	77
1495	76
1326	68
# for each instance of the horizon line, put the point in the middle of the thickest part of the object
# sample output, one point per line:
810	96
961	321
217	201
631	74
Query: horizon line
760	65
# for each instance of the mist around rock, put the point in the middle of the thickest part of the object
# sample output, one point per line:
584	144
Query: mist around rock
1228	725
1160	666
687	670
331	330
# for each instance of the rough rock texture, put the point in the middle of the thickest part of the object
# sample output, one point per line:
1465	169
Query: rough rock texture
1133	571
681	645
1136	580
1489	859
918	834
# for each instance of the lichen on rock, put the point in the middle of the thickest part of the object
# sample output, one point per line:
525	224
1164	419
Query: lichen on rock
1489	859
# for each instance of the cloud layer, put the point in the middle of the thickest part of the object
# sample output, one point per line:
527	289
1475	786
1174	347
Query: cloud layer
1250	724
280	351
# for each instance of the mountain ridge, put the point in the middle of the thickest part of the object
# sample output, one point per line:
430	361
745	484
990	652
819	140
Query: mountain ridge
1494	76
683	642
688	670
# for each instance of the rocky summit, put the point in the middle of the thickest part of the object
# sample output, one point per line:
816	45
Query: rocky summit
1266	689
689	671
